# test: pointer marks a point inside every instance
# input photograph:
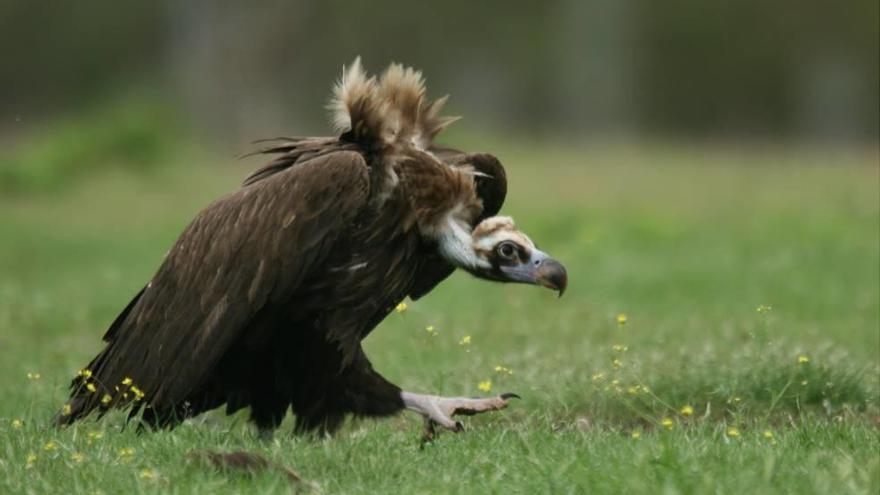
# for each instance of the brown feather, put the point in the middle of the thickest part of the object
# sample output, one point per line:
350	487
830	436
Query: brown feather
197	304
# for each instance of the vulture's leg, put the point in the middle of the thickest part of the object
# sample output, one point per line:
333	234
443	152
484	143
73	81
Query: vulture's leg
440	410
367	393
356	389
267	415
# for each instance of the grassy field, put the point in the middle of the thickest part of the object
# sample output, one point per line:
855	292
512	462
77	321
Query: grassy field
748	361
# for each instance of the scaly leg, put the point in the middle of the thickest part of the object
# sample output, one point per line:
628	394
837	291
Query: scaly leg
440	410
362	391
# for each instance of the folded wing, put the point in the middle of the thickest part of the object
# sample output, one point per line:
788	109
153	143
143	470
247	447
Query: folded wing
251	248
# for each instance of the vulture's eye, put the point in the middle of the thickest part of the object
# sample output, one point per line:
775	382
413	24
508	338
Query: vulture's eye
506	250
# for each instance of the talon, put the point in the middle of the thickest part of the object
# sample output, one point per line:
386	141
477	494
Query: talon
438	411
428	434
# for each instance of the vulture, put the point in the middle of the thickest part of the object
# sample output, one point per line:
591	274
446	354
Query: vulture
264	299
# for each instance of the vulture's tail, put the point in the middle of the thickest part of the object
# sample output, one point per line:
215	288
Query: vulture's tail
87	390
85	396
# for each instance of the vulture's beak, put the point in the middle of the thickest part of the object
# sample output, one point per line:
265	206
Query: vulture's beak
540	269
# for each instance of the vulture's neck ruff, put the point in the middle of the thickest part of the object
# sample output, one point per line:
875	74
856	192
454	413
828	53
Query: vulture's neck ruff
391	116
456	245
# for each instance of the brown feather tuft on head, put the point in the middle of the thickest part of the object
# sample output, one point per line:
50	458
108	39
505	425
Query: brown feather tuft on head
390	110
355	105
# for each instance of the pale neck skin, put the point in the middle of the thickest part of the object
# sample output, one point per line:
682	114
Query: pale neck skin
456	246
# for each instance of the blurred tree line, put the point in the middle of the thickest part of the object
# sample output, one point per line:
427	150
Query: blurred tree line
764	69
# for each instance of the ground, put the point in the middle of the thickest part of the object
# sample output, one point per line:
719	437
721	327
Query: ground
720	333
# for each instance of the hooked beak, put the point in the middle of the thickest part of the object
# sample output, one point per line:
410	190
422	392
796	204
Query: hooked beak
540	269
551	274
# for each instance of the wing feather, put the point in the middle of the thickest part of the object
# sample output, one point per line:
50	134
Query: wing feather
243	251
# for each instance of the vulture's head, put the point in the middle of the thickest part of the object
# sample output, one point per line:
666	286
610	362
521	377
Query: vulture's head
503	253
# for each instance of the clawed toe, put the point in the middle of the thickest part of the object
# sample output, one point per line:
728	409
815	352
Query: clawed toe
469	407
440	410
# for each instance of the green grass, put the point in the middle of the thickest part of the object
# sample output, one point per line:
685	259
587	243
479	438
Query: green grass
134	132
686	241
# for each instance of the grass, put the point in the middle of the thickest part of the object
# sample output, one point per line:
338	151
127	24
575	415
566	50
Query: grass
686	241
132	132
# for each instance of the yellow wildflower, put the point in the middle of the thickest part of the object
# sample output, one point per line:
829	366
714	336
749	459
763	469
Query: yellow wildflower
804	383
636	434
91	387
466	340
503	370
667	423
633	389
126	453
31	459
803	359
66	410
77	457
126	381
106	399
768	434
598	377
138	393
621	319
734	400
763	308
686	411
50	446
431	330
85	373
733	432
645	389
485	385
17	423
619	348
94	435
401	307
616	364
147	474
33	376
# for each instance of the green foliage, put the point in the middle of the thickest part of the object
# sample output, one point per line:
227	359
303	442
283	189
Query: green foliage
747	363
126	133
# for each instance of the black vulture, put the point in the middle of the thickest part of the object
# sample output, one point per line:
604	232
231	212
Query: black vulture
266	296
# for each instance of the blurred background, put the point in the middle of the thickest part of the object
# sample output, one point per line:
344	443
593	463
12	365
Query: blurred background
111	82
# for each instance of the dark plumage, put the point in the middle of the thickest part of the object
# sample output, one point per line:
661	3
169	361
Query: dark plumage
264	299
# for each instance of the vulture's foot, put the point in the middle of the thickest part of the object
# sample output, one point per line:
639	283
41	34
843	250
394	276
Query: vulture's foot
439	410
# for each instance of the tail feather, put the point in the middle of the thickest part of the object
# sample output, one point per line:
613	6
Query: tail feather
89	387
